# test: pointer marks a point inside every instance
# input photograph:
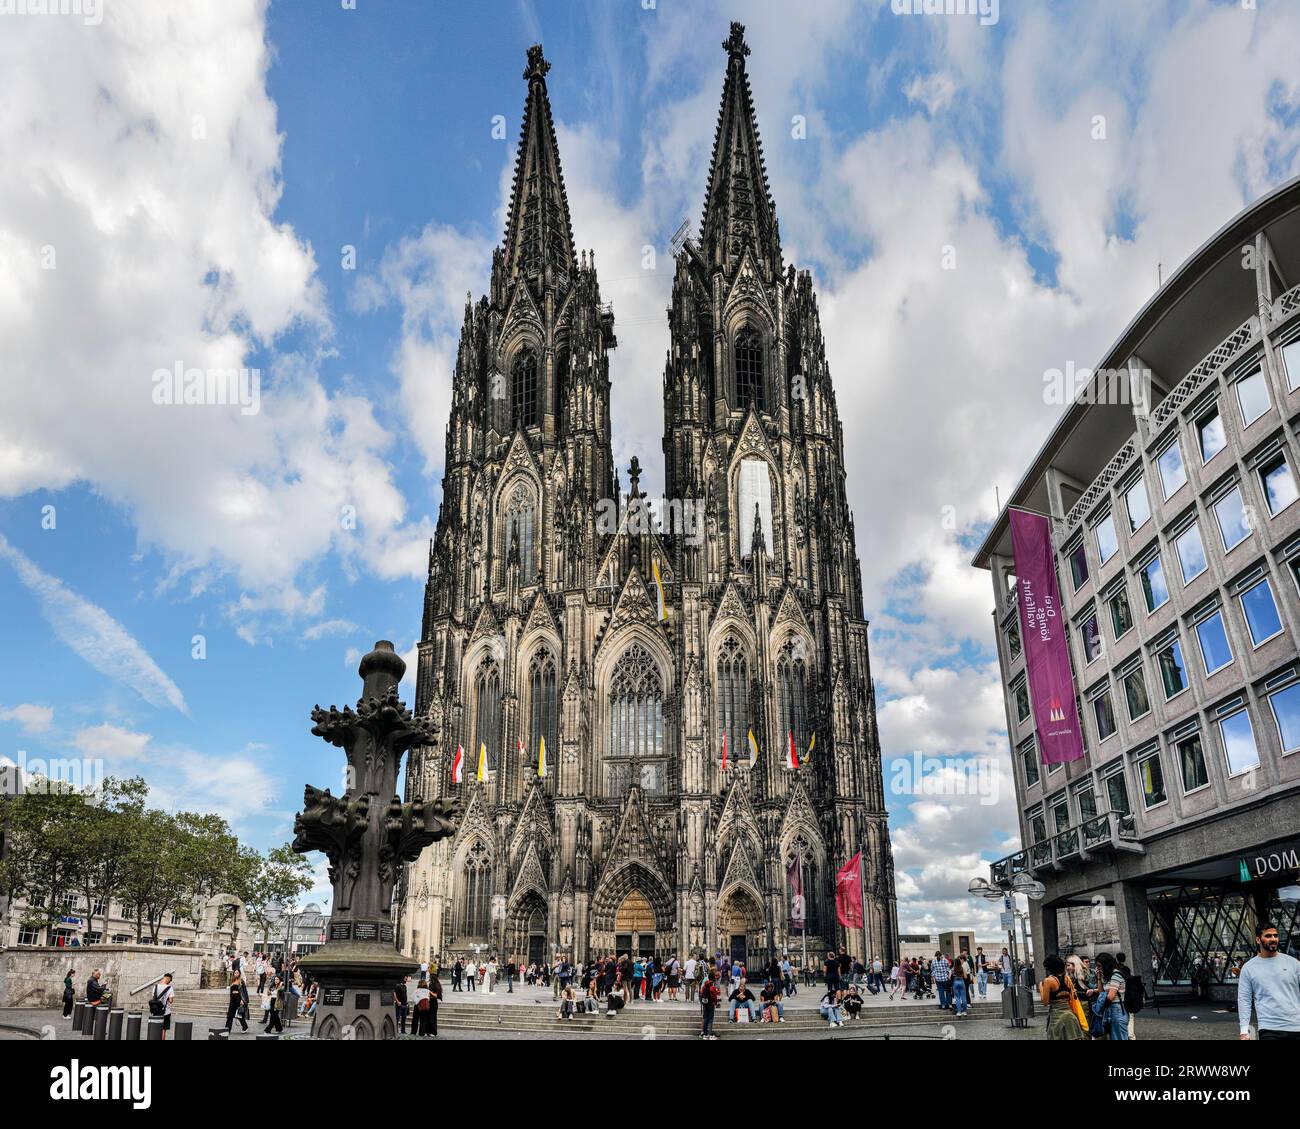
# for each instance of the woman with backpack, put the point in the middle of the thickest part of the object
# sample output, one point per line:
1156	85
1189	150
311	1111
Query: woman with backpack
69	992
1108	1000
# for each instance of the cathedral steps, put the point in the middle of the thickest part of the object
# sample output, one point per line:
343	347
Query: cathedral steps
664	1019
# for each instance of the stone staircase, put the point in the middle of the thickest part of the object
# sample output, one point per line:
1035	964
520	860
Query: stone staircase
681	1020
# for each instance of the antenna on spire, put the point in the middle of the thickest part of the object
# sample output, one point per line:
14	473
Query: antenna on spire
680	236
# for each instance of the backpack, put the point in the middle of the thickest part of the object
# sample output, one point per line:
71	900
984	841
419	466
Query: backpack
156	1006
1135	994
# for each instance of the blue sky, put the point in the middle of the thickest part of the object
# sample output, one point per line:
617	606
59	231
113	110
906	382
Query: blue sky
198	168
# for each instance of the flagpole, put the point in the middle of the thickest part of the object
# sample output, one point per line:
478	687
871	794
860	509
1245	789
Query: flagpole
803	886
862	898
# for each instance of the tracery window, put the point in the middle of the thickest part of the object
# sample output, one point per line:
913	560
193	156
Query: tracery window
523	390
487	713
749	369
791	689
754	490
543	713
636	736
733	698
521	519
477	874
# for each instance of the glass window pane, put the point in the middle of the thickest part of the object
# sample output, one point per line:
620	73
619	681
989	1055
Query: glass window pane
1191	553
1213	439
1153	781
1191	757
1173	474
1091	639
1030	758
1172	671
1286	711
1154	589
1261	612
1291	360
1013	638
1038	827
1087	803
1252	396
1121	615
1107	545
1239	743
1215	650
1105	716
1279	484
1117	793
1231	515
1022	702
1079	565
1137	504
1135	695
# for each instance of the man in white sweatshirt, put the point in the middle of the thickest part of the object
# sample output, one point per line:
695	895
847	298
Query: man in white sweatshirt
1270	981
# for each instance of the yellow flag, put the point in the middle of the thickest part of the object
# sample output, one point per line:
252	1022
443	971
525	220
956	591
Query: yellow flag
753	749
811	745
481	774
659	583
541	759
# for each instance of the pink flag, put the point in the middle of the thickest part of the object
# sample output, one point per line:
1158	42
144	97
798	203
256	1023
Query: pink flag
848	893
1042	630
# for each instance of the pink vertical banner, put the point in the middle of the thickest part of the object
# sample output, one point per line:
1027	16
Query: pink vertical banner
1042	631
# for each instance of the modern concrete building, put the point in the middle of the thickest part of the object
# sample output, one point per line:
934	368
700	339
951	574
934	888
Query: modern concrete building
1177	551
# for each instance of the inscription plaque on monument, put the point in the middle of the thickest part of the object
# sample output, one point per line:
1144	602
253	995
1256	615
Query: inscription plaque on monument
386	933
365	931
332	997
363	1001
340	930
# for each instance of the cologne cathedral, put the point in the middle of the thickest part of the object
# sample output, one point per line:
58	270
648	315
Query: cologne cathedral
659	719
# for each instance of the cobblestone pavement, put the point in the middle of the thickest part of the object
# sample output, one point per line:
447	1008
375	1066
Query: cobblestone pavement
1178	1023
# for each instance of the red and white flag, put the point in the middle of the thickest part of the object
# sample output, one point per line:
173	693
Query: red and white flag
458	765
791	757
724	750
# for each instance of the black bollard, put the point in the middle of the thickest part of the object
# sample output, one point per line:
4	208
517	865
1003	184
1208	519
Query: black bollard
115	1018
273	1037
77	1009
155	1032
133	1027
88	1021
101	1024
184	1029
219	1034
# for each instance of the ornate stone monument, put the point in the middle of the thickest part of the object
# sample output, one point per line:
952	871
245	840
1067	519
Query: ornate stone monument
366	839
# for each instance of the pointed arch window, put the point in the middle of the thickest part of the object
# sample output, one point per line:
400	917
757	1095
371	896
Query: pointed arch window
749	369
636	725
802	850
521	519
543	713
754	490
477	876
733	698
487	712
791	690
523	390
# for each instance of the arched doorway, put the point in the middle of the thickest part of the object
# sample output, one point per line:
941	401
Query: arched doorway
634	925
740	927
527	939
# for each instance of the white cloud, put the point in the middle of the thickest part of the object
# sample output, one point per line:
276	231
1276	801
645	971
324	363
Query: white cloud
31	719
111	742
142	163
95	635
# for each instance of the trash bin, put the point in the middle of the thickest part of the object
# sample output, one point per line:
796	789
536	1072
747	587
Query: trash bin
1017	1005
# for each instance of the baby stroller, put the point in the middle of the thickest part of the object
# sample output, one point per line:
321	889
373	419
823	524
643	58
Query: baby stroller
924	985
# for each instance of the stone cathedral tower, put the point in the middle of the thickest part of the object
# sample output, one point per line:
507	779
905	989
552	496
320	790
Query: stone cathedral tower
634	639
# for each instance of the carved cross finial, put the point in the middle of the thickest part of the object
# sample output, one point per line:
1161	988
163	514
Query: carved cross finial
735	43
537	64
634	471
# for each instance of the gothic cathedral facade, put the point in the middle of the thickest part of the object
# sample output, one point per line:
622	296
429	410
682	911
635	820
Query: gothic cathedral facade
635	642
